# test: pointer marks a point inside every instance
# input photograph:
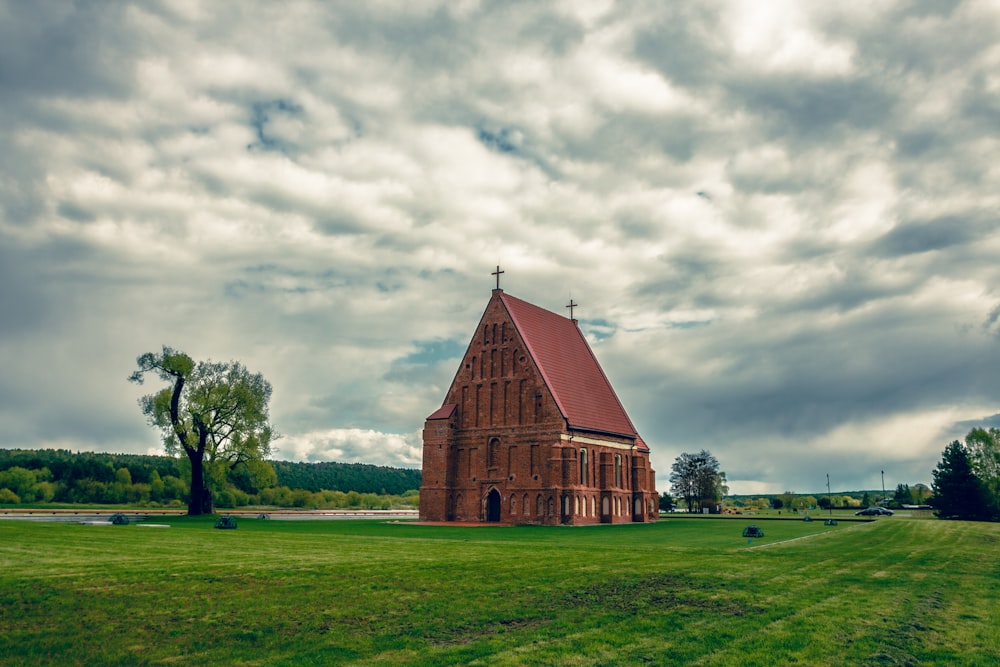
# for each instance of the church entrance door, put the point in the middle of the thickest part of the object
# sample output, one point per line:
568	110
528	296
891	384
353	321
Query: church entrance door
493	505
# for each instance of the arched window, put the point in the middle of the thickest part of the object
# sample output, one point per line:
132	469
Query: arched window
539	506
618	469
593	506
525	506
583	467
513	504
552	506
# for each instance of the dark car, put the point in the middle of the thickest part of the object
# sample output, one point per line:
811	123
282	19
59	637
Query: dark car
874	511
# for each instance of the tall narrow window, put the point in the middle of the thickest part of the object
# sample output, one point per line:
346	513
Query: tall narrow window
583	467
492	453
465	406
479	388
618	469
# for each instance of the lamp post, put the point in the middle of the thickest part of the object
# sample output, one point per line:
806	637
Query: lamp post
883	489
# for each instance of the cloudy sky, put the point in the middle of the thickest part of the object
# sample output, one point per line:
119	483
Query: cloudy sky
780	219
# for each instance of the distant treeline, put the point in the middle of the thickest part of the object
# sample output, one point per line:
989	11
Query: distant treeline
360	477
61	476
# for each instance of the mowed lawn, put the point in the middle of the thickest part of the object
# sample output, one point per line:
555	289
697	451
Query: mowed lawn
684	591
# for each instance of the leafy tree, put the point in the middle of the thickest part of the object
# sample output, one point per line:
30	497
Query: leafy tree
958	493
696	478
666	502
921	492
215	413
983	446
788	500
902	495
20	481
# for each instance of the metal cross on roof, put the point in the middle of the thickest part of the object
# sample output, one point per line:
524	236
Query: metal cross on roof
571	306
497	273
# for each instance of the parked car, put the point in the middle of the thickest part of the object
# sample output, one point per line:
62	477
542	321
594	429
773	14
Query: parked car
874	511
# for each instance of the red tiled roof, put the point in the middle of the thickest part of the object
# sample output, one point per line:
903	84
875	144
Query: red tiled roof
444	412
569	369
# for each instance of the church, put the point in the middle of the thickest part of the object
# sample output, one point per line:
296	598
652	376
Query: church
531	431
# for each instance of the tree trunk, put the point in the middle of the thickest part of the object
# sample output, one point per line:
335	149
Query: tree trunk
200	499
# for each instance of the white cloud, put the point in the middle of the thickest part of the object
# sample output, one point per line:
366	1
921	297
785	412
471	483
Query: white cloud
351	446
779	221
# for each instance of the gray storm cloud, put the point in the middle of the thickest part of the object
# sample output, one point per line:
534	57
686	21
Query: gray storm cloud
781	224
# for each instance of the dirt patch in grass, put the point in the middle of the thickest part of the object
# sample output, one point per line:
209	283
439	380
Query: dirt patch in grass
899	638
659	592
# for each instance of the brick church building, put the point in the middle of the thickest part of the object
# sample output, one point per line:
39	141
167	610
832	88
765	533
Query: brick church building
531	431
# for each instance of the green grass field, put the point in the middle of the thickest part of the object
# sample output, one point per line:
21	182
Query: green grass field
684	591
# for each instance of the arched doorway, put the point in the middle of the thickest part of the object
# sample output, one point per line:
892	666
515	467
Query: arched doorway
493	505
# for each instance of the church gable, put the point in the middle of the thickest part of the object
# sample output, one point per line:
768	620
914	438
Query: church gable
498	382
528	365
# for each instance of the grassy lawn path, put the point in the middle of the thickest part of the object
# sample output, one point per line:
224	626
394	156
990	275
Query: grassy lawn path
685	591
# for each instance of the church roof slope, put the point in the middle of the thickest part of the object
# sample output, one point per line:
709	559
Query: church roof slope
569	369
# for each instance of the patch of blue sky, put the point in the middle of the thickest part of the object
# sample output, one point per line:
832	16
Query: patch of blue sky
501	141
690	324
432	351
598	329
262	113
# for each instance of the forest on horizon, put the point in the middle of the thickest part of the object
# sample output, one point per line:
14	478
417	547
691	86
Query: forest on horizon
62	476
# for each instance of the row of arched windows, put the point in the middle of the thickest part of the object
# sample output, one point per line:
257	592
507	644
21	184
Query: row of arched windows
498	362
579	505
521	505
495	339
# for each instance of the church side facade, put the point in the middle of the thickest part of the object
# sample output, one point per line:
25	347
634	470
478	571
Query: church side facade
504	446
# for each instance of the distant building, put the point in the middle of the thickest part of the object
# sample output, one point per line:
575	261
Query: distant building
531	431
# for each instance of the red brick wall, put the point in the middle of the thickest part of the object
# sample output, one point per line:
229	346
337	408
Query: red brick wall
505	434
